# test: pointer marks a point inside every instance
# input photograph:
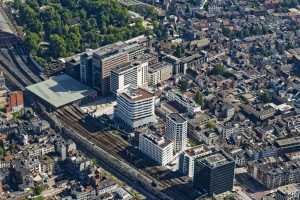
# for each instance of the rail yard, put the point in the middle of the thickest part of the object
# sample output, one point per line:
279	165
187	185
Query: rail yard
71	116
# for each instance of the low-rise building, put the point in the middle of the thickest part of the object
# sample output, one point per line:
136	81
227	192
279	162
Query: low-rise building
273	175
15	102
191	106
288	192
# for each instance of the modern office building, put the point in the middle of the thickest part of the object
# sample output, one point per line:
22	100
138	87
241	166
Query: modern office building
86	68
187	159
128	75
156	147
104	61
176	131
214	173
96	65
135	107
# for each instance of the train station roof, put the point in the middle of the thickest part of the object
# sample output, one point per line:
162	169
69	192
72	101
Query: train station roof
4	25
60	90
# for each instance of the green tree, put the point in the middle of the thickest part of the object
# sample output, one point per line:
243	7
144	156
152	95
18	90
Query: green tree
35	26
199	98
17	4
218	69
57	46
226	31
38	190
99	22
211	124
32	41
27	14
73	42
2	152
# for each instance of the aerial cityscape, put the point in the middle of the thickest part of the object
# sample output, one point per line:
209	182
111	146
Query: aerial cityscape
150	99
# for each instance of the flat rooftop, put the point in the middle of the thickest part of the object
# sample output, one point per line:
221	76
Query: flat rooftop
157	66
198	150
215	159
60	90
157	139
137	94
288	189
122	68
177	118
288	141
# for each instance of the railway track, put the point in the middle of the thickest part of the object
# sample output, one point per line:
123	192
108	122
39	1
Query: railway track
9	66
12	78
34	67
71	116
104	140
22	66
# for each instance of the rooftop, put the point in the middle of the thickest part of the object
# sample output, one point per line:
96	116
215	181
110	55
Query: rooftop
157	139
198	151
60	90
288	189
157	66
137	94
215	158
177	118
122	68
288	141
108	50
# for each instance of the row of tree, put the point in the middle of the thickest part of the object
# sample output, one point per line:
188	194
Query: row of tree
58	28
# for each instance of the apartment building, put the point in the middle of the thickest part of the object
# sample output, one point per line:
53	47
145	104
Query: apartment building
156	147
176	131
135	107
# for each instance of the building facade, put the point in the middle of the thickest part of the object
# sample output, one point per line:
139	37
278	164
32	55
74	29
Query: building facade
103	64
135	107
188	103
156	147
288	192
129	75
176	131
187	159
96	65
159	72
214	173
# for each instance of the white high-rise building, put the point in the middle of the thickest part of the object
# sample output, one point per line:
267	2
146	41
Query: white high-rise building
176	131
156	147
135	107
129	75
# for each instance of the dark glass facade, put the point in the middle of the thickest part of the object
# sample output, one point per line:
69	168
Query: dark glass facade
214	179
